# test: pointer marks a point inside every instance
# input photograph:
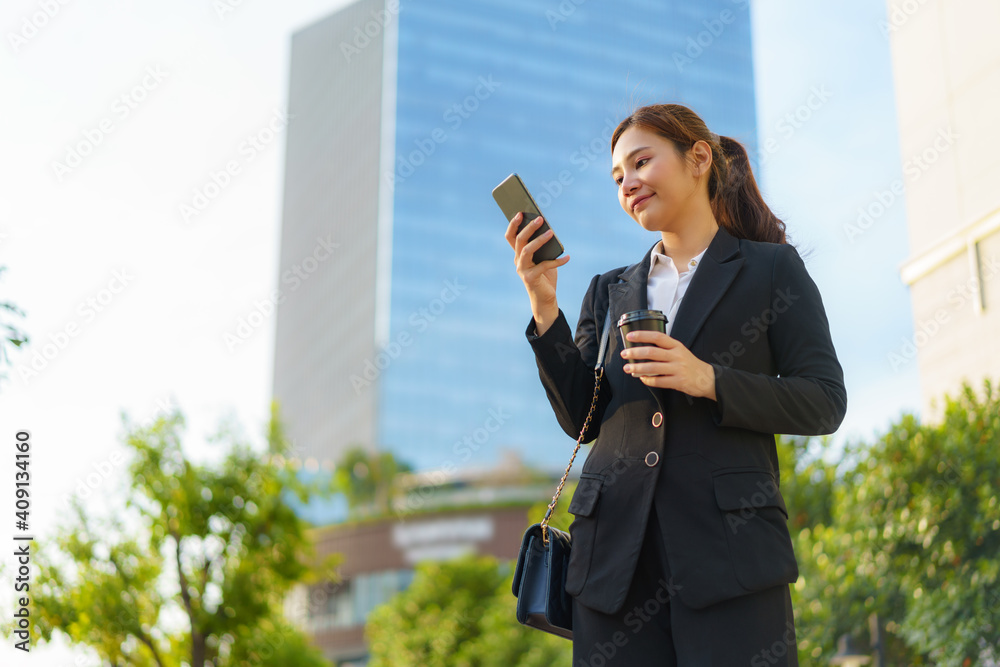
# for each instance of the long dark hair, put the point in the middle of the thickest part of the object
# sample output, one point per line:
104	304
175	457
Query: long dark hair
732	191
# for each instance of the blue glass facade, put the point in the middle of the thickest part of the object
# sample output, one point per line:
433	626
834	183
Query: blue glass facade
498	86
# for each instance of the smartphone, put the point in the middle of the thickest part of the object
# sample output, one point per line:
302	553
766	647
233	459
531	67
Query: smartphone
513	198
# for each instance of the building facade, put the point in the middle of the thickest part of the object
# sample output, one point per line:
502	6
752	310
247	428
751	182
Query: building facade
946	62
409	335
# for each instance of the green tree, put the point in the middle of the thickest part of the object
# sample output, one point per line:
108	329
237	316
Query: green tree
460	613
811	487
195	569
368	479
807	480
915	538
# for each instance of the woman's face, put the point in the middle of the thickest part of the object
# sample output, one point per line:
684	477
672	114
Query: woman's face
655	184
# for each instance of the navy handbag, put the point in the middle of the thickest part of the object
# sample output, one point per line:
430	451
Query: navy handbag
540	574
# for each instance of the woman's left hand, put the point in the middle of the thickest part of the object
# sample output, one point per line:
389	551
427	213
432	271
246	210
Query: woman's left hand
667	364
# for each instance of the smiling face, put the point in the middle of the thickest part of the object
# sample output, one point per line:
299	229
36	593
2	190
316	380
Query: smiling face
656	185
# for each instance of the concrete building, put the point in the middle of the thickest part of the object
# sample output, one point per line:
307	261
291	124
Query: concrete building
946	61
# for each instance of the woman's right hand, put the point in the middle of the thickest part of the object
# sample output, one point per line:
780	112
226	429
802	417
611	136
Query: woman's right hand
539	279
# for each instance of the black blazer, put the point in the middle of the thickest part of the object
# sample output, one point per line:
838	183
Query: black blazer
751	311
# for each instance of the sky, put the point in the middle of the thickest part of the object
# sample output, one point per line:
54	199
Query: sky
118	114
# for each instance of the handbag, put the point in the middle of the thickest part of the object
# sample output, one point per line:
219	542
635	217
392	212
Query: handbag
540	575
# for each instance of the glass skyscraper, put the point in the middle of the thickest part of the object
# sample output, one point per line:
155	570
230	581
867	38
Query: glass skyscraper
409	335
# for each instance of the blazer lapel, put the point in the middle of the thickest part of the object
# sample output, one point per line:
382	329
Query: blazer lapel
630	292
718	268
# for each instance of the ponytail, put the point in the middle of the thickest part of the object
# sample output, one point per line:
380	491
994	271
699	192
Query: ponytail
732	190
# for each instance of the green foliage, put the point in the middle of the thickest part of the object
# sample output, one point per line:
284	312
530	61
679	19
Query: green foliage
195	570
107	599
273	643
807	481
368	480
915	538
460	613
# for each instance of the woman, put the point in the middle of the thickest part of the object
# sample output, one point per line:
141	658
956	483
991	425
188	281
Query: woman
681	553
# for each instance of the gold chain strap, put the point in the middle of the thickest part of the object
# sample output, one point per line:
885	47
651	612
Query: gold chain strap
598	374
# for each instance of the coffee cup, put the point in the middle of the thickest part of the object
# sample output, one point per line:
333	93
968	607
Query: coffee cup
641	320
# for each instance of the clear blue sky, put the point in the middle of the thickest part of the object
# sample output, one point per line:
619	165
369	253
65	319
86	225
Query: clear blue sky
136	303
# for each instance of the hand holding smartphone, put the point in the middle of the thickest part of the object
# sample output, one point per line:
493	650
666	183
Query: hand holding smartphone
513	197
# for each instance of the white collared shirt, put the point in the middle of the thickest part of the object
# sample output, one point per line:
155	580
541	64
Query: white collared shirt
665	285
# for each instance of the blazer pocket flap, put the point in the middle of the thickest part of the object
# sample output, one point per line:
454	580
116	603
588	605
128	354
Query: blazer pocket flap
747	490
587	493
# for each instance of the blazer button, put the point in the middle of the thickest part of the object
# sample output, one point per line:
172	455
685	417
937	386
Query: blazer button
652	458
657	419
